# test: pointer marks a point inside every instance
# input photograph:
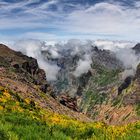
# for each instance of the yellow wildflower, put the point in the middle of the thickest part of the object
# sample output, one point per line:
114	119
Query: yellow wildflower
27	101
1	107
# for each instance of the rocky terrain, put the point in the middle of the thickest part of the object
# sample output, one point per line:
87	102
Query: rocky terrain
101	92
21	74
96	104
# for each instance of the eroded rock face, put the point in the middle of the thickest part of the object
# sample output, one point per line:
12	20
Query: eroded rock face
69	102
133	96
125	84
73	85
93	92
132	99
106	58
26	66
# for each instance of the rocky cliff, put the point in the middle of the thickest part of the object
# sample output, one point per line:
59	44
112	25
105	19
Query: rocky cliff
28	111
101	92
21	74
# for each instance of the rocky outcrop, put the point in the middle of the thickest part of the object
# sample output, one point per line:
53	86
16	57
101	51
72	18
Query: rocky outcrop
125	84
133	96
99	93
106	58
27	67
136	48
69	102
26	82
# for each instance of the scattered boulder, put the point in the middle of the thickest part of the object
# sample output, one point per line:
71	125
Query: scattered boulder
69	102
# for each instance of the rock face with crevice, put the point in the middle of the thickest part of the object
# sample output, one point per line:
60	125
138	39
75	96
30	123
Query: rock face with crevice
25	66
22	76
99	93
125	84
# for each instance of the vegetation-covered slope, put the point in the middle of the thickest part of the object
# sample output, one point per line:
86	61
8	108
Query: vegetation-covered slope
109	99
102	92
28	112
25	119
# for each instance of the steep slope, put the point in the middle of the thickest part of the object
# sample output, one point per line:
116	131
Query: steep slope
109	98
69	83
27	111
99	92
22	75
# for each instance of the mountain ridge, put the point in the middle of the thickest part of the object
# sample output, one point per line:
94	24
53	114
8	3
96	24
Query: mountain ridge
29	109
27	79
99	91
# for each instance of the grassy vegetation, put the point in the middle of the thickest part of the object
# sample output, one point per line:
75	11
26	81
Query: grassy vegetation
21	119
92	98
104	76
138	109
17	126
20	126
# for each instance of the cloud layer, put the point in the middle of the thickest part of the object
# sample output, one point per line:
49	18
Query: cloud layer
83	66
48	55
32	48
63	19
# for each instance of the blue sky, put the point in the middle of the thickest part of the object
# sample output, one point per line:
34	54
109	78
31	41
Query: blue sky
66	19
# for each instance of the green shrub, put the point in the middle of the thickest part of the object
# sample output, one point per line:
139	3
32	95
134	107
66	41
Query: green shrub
3	135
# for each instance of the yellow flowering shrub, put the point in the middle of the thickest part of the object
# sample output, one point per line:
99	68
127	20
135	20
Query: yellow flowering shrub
1	107
27	101
74	128
3	100
6	94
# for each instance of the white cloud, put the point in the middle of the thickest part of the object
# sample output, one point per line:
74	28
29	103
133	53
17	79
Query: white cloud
123	51
27	17
83	65
33	49
39	35
102	20
113	45
106	19
128	57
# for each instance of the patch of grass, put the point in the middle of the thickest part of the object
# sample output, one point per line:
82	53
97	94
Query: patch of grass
3	135
33	123
104	76
93	98
24	127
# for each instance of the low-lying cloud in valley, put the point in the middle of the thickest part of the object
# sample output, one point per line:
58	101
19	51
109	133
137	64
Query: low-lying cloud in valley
124	52
83	65
33	48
